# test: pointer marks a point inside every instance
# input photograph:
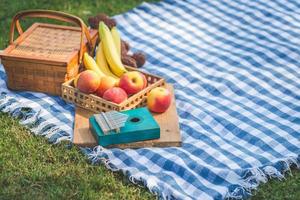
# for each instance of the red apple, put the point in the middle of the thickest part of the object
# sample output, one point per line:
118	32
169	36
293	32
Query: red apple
159	100
145	81
115	94
106	83
88	81
133	82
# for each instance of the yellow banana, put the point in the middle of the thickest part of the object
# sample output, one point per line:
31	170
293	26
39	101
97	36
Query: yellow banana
91	64
102	63
76	79
110	51
117	39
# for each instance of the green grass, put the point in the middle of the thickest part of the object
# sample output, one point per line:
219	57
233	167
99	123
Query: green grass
81	8
288	189
31	168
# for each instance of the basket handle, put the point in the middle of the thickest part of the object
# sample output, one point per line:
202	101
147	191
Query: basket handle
61	16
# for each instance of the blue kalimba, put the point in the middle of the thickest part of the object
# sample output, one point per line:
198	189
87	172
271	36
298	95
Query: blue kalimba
124	127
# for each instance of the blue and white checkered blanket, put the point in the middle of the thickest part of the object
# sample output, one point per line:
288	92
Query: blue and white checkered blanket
235	67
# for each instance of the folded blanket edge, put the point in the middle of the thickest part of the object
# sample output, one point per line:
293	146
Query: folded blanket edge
31	118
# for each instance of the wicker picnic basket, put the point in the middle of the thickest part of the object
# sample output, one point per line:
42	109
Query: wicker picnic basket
98	104
46	55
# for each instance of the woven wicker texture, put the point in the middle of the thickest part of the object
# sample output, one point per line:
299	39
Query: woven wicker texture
46	55
35	77
50	43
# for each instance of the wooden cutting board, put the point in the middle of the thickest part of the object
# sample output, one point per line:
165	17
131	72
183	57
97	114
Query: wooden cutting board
168	122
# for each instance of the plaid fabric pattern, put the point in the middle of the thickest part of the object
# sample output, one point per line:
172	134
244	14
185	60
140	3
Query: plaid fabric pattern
235	68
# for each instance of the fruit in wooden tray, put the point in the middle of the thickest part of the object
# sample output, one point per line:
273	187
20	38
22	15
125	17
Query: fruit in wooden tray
115	94
159	100
91	64
110	51
145	81
88	81
122	47
117	39
75	80
106	83
133	82
102	63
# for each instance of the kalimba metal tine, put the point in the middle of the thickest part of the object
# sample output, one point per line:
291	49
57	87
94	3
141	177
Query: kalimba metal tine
112	120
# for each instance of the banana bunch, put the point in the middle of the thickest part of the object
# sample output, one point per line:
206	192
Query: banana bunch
108	55
117	39
111	45
102	63
91	64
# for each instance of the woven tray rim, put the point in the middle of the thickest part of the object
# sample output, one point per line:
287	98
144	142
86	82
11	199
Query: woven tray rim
68	86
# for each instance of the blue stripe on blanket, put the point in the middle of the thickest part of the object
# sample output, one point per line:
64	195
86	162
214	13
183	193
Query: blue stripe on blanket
235	68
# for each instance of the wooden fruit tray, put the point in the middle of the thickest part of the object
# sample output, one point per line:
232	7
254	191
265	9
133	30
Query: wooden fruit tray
168	122
97	104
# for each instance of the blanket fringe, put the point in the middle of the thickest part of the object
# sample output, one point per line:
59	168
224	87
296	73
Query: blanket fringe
99	155
32	119
252	178
248	184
